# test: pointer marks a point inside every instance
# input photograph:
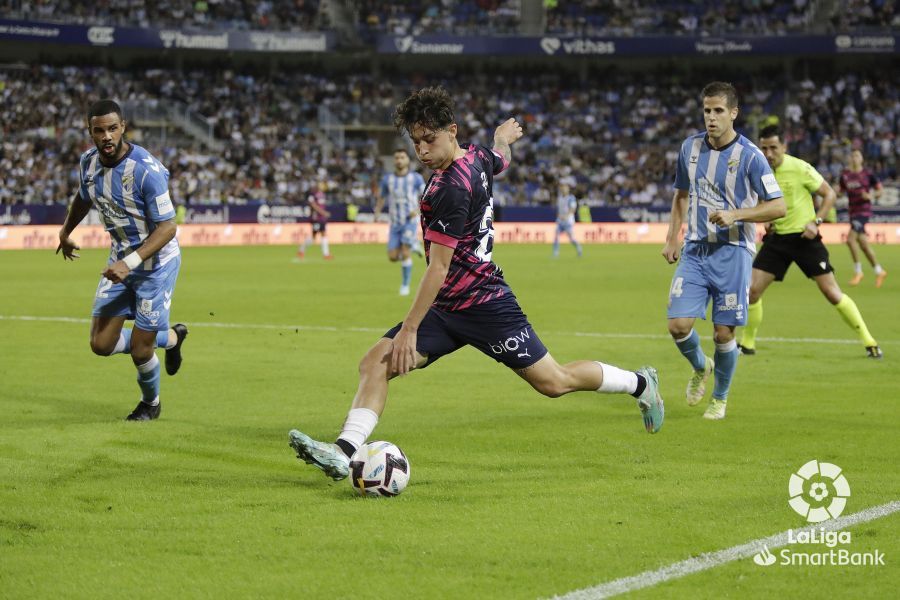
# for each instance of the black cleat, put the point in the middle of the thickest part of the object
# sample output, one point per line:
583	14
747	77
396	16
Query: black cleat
144	412
874	352
173	354
746	351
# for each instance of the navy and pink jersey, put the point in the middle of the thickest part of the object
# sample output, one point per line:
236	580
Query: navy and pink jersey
317	198
854	184
457	211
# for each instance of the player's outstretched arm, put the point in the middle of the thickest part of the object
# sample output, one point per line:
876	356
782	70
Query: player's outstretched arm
672	249
78	210
161	236
508	132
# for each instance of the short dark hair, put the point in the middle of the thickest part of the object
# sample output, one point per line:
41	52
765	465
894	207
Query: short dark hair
103	107
429	107
770	131
403	150
721	88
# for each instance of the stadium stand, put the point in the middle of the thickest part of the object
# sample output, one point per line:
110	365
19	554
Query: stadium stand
614	134
224	14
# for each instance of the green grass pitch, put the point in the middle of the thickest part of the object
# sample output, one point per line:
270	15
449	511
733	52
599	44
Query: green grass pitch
512	495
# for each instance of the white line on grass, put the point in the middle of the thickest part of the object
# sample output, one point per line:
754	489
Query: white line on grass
617	336
711	560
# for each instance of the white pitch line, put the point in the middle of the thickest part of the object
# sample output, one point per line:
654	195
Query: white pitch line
711	560
615	336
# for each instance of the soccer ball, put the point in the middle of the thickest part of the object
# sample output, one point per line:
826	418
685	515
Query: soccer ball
379	469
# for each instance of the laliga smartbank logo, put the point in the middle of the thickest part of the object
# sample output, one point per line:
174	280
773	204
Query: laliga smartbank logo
818	491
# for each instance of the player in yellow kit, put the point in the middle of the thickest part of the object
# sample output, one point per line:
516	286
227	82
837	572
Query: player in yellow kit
795	238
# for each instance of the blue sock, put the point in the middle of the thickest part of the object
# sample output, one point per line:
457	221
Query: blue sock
556	245
726	362
162	338
690	348
148	380
406	270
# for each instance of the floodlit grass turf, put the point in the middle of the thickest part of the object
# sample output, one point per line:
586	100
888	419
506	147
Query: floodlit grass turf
513	495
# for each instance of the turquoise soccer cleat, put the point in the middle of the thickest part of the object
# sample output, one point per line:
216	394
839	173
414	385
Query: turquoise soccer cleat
651	403
326	457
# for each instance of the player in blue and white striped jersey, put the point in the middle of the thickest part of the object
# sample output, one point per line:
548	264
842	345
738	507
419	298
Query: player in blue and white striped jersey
566	204
130	190
401	191
720	179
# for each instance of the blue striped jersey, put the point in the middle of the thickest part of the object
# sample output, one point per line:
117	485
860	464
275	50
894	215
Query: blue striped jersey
565	205
401	194
736	176
131	198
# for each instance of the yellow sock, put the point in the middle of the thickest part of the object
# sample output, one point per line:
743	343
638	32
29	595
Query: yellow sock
754	318
850	313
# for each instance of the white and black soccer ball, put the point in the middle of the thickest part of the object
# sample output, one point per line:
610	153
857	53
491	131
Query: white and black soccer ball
379	469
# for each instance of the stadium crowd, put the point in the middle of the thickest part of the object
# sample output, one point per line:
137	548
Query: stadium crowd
214	14
614	135
477	17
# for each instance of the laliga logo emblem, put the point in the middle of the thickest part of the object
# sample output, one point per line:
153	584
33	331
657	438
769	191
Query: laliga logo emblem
818	491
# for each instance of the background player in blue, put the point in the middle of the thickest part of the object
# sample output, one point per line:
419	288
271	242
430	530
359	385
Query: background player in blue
566	204
130	189
401	190
719	179
463	298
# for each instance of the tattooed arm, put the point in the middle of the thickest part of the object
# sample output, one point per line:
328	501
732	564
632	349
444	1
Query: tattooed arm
505	135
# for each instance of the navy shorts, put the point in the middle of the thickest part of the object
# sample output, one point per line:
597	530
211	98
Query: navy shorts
498	328
858	223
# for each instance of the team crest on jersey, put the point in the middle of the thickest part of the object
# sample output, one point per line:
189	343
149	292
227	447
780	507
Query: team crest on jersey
733	164
128	183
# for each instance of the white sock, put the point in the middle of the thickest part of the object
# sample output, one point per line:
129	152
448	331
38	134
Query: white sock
616	380
359	426
727	346
878	269
120	345
149	365
407	262
857	267
324	246
685	338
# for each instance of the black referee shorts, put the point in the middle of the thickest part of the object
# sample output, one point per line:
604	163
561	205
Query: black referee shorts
780	250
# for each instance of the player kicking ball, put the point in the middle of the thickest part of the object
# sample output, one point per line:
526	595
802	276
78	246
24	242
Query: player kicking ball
462	298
